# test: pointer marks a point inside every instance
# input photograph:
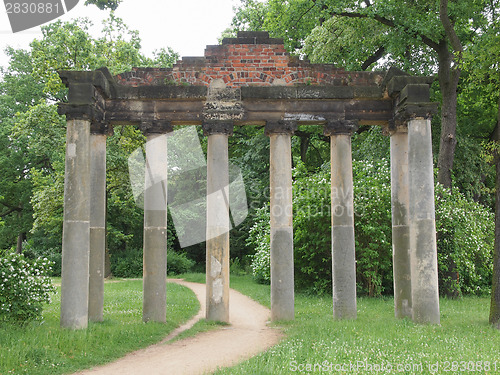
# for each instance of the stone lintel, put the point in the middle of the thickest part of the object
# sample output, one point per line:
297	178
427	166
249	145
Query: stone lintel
217	127
335	127
311	92
156	127
80	112
280	127
162	92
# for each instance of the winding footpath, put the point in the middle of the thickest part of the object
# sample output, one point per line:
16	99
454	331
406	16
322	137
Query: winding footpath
247	335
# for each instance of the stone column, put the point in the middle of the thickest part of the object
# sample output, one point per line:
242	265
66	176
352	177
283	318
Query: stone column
155	228
97	225
423	249
282	273
218	224
343	252
400	222
76	226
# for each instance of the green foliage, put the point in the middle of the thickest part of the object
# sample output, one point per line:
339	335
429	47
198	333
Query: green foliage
128	263
466	231
104	4
468	227
24	288
178	263
259	239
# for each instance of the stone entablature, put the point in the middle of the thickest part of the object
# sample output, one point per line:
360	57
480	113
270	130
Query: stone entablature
253	58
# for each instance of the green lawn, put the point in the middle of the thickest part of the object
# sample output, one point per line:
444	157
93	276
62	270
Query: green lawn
44	348
315	344
376	342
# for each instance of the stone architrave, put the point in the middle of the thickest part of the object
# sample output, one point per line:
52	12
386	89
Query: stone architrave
155	227
218	223
76	226
400	222
282	273
97	225
343	243
423	248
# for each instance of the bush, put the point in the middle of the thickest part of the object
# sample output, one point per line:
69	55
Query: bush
466	236
178	263
24	288
129	263
260	238
33	250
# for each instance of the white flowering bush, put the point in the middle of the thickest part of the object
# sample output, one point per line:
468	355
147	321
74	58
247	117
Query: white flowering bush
259	238
465	236
24	288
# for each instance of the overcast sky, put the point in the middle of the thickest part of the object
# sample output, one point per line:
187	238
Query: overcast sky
185	25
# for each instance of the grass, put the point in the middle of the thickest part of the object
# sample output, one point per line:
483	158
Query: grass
44	348
376	342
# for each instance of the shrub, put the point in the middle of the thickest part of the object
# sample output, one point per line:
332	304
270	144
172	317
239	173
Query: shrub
259	239
127	263
178	263
466	236
24	288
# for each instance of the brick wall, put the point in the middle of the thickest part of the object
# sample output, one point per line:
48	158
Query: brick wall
253	58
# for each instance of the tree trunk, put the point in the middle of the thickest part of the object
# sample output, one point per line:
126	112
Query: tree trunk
495	288
448	81
19	246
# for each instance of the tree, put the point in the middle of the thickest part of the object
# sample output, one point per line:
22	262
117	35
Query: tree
33	135
373	30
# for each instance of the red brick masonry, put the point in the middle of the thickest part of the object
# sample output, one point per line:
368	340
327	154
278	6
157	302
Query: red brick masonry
252	59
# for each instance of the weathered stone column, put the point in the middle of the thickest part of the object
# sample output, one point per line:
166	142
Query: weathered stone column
218	224
97	224
400	222
76	226
343	244
282	273
155	226
424	271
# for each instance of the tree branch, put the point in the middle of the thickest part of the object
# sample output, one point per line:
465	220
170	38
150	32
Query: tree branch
390	23
377	55
448	26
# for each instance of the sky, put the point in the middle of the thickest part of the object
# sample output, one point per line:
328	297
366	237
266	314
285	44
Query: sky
186	26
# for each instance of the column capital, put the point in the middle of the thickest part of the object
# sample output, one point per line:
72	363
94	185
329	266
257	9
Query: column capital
217	127
100	127
281	127
155	127
411	111
395	128
340	126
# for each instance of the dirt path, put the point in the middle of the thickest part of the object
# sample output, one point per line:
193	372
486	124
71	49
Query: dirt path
247	336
